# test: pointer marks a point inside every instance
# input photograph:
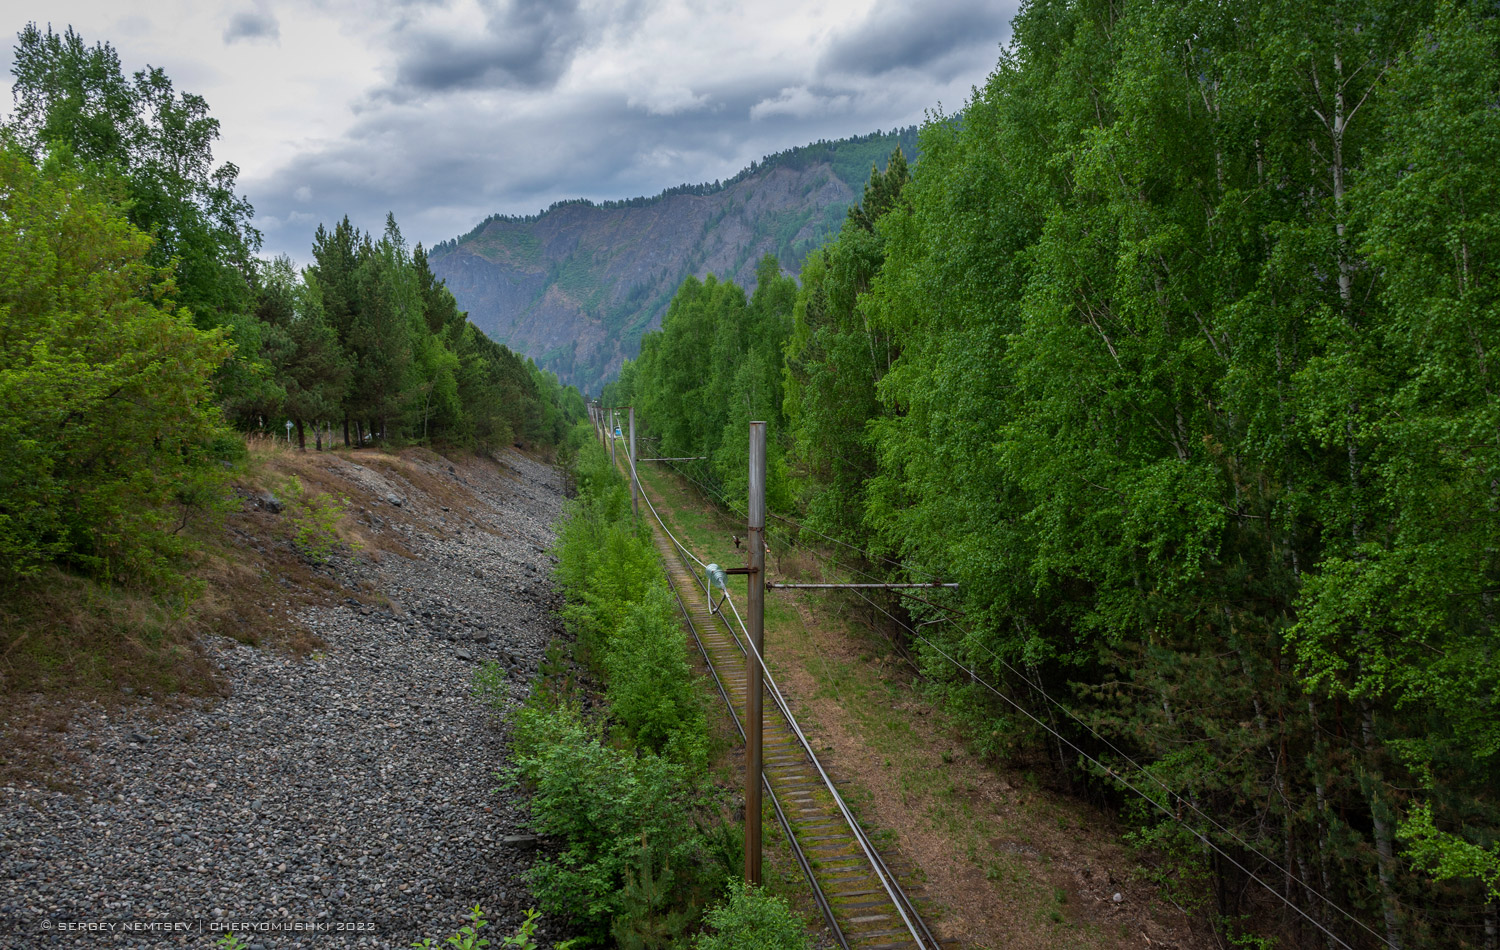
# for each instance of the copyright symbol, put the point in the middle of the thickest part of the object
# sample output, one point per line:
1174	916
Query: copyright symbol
46	925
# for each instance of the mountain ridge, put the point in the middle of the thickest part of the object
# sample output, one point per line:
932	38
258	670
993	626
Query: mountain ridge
575	286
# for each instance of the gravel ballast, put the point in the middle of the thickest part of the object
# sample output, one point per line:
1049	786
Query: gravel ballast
354	788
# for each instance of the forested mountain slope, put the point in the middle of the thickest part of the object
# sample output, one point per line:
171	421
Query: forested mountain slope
577	286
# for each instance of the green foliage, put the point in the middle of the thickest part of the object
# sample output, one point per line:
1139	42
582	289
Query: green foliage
748	918
1176	352
367	335
651	918
835	359
315	519
468	936
108	437
489	684
628	796
1447	856
618	605
417	369
652	691
604	563
154	148
713	367
606	805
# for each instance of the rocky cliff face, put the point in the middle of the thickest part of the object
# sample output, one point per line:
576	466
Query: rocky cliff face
576	287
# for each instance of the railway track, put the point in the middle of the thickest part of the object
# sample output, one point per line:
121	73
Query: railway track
860	896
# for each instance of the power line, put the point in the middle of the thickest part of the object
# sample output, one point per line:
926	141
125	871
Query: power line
877	865
970	635
718	497
974	676
872	558
860	551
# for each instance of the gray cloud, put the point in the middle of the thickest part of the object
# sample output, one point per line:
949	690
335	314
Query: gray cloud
257	24
441	173
525	44
939	38
467	125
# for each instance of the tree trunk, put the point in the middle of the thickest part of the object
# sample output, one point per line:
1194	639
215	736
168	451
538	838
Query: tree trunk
426	411
1319	763
346	430
301	435
318	435
1385	851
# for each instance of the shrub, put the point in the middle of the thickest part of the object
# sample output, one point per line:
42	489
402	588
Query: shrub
644	844
750	919
468	936
653	696
607	805
315	519
489	685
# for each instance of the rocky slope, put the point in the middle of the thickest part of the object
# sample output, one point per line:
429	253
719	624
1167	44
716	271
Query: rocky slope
353	786
576	287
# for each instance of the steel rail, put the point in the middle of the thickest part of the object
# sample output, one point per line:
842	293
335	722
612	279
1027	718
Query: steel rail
900	901
899	898
820	898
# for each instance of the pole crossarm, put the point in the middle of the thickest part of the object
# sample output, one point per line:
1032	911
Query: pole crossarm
690	458
772	585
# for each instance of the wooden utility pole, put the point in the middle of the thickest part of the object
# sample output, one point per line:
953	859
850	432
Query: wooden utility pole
756	533
610	434
635	502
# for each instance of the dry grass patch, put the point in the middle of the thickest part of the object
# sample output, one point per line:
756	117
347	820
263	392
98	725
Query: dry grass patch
68	641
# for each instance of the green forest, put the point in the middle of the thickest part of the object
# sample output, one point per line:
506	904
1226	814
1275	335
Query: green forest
141	333
1176	350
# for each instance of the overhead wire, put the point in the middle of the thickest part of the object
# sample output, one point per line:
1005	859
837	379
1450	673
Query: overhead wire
1207	842
969	635
791	542
899	901
719	497
1179	797
881	871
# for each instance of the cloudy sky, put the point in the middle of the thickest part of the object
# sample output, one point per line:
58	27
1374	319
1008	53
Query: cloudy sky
445	111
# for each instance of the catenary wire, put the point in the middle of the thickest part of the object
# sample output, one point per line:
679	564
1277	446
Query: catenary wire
970	635
882	872
898	900
974	676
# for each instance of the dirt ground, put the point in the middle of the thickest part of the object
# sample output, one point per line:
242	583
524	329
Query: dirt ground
1006	861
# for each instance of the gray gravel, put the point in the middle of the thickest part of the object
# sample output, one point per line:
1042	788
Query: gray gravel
354	787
